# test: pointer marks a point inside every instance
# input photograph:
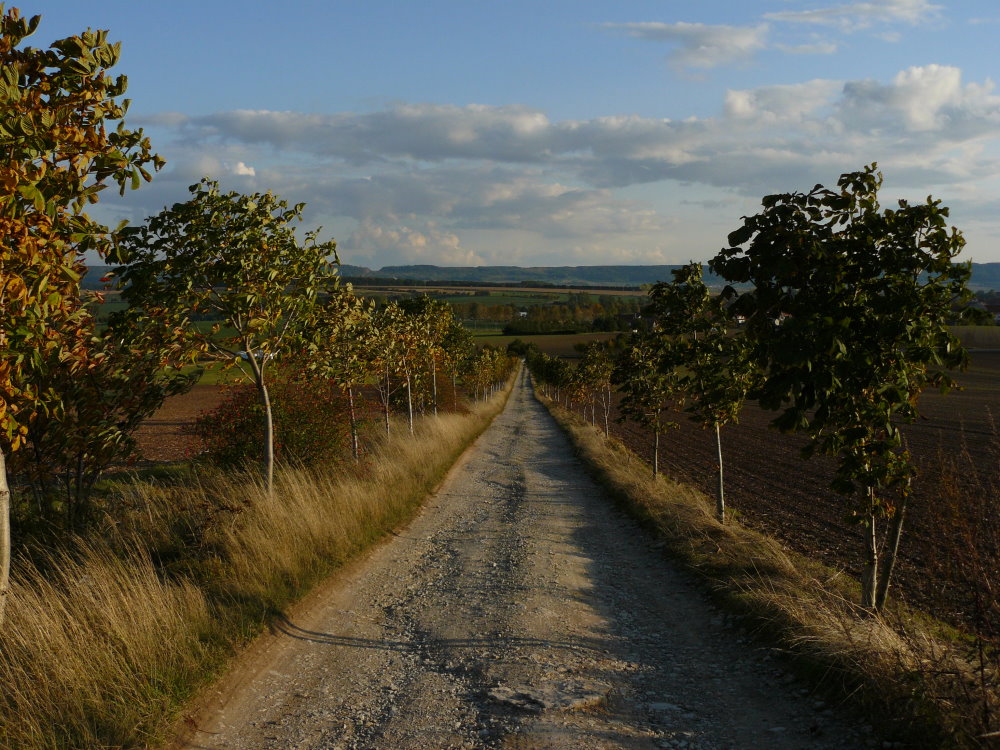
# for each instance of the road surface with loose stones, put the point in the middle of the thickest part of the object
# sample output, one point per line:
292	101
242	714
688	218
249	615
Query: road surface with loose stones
520	609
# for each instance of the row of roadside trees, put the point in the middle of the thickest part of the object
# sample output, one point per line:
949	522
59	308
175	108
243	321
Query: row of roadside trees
842	329
72	392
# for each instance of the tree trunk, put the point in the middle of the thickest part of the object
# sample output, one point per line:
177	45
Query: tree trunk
265	399
720	501
354	424
454	390
386	401
409	401
607	411
257	367
434	384
656	453
869	574
892	549
4	535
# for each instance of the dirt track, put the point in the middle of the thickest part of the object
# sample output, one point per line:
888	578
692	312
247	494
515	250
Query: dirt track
519	610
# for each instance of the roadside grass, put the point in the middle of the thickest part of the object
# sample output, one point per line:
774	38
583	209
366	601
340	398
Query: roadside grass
904	671
106	640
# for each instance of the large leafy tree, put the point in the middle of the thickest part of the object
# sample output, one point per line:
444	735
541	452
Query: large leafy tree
848	313
59	152
234	258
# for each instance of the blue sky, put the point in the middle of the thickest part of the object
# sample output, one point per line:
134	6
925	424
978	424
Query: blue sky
556	133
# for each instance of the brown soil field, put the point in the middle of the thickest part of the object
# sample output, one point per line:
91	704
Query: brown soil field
163	436
770	487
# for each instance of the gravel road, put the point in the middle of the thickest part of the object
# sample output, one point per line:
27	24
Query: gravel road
519	610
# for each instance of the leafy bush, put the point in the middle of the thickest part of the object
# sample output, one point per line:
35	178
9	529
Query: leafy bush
310	418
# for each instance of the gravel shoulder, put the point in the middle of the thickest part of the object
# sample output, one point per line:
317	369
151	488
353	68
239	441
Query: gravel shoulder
519	610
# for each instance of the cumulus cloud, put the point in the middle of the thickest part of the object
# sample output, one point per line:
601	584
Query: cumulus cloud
852	17
243	170
426	158
924	99
700	45
446	183
783	103
395	243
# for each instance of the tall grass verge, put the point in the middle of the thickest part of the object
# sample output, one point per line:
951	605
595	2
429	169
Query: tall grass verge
904	671
104	641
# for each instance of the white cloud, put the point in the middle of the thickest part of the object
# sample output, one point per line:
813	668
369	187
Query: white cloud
858	16
394	243
700	45
782	103
812	48
243	170
924	99
445	183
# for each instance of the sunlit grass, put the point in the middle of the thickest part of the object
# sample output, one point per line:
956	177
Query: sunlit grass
105	640
904	670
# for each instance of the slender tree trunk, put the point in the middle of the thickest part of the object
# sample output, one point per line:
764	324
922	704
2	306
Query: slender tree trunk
434	384
607	411
720	502
385	402
892	549
454	390
869	574
4	535
354	424
656	453
409	401
265	399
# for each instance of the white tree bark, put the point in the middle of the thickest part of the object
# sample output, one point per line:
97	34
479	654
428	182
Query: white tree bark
4	536
720	501
869	575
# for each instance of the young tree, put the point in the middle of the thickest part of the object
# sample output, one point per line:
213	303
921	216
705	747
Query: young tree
236	258
646	387
339	348
394	344
434	319
716	373
596	369
457	349
130	370
58	155
848	315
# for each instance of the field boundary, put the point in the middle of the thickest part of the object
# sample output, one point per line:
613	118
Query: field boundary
883	668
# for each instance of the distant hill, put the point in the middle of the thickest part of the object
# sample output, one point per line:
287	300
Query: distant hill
984	275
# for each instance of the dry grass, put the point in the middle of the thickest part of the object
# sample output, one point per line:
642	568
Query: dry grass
903	671
104	642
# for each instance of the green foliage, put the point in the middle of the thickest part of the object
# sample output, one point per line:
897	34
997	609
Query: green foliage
848	313
235	258
310	417
132	369
715	372
232	256
61	148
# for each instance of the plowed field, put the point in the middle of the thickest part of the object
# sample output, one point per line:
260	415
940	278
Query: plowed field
773	489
